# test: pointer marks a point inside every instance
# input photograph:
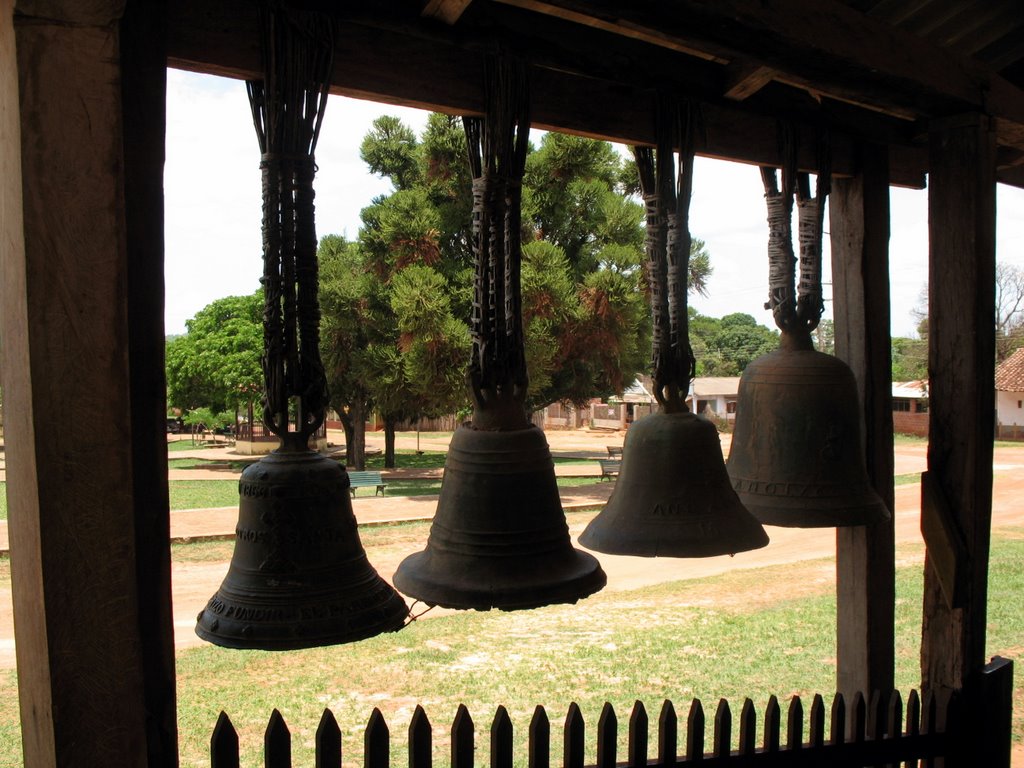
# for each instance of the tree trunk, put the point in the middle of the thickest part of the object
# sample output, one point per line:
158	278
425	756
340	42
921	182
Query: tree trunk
389	443
356	448
346	424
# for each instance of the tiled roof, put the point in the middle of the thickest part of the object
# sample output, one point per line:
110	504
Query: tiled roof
1010	373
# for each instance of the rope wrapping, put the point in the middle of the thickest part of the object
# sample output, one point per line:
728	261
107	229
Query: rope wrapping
666	187
497	145
797	311
287	109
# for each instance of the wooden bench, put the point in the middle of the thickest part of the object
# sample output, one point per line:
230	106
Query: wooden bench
366	480
614	451
609	468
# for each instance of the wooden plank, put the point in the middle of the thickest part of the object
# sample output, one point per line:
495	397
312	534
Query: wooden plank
573	744
821	44
961	348
637	749
224	744
607	736
377	742
837	729
695	731
328	741
540	739
501	740
277	743
744	79
82	658
723	730
772	725
816	727
438	73
144	98
865	556
420	740
462	739
946	548
748	729
448	11
795	724
668	734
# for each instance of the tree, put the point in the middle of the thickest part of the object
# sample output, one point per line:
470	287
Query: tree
1009	310
726	346
216	363
585	315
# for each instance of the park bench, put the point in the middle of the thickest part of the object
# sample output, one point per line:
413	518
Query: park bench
366	480
609	468
614	451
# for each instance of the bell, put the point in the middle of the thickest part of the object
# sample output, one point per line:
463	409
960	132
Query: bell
797	458
299	576
499	537
673	497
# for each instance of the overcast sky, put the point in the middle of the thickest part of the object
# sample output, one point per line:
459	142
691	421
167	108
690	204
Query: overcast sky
213	216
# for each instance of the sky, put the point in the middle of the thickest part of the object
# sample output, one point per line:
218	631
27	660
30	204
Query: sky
213	208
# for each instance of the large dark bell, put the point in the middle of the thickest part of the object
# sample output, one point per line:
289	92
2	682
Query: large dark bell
797	458
673	497
499	537
298	577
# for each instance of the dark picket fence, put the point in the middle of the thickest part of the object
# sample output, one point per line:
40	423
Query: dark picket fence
885	731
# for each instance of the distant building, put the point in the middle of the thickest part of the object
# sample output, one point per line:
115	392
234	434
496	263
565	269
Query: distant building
910	408
1010	397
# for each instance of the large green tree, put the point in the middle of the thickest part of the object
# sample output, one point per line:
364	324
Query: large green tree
216	362
584	307
725	346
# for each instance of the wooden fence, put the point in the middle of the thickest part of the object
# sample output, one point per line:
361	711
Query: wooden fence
884	731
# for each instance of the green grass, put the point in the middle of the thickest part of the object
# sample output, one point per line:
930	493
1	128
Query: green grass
745	633
198	494
908	479
731	636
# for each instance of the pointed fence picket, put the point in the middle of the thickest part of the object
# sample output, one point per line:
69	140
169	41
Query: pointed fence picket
881	731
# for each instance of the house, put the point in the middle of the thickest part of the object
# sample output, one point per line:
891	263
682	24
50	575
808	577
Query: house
715	395
910	408
1010	397
902	89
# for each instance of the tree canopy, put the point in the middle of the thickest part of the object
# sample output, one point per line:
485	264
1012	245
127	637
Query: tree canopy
216	362
725	346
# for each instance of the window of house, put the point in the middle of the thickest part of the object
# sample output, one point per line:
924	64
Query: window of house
730	406
901	405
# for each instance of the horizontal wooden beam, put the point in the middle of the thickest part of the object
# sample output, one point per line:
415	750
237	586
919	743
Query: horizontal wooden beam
447	11
823	45
429	72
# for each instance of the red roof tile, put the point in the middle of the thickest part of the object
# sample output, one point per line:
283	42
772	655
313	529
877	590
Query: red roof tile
1010	373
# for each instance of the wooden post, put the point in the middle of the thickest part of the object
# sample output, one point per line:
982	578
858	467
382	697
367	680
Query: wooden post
865	555
91	582
961	371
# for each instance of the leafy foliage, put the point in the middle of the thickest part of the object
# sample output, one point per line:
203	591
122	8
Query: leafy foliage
216	363
724	347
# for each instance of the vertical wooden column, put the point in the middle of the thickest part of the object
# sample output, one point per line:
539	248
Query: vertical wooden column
144	99
956	503
91	612
865	555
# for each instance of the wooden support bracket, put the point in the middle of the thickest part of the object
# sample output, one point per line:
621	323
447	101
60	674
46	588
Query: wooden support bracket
447	11
947	549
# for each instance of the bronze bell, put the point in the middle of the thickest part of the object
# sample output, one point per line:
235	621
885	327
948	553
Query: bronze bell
499	537
673	497
299	576
797	457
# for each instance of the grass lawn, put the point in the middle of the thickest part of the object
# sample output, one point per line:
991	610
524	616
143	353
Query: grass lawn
746	633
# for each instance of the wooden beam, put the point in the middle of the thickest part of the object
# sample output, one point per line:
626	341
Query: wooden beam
144	99
823	45
744	80
865	555
78	624
448	11
961	370
436	73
